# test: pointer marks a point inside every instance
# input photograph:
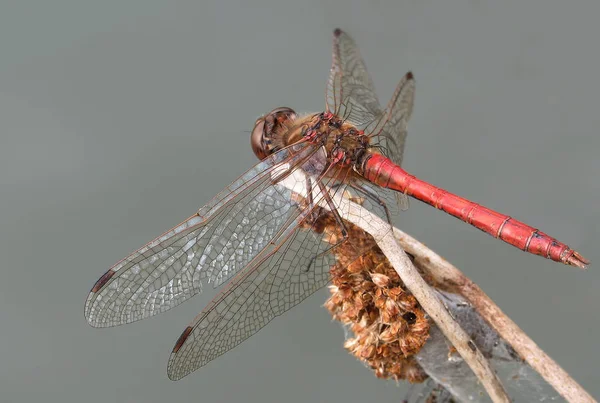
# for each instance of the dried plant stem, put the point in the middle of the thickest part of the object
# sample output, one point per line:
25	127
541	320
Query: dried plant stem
429	301
446	275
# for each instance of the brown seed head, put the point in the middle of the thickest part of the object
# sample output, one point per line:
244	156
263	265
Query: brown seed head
388	325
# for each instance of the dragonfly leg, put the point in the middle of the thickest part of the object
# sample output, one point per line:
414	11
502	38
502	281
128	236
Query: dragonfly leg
325	252
313	214
339	221
374	197
333	209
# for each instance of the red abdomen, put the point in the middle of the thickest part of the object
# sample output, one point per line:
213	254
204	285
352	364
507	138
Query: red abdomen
383	172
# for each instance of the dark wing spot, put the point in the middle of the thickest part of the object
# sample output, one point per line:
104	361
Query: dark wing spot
103	280
182	339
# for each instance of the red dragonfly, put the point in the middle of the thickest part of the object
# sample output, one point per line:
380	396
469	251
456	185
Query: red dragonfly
269	237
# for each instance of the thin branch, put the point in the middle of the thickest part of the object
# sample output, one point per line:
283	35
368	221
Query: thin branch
449	277
413	281
380	231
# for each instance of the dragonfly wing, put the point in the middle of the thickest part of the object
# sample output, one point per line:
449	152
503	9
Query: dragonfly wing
351	95
275	281
378	200
389	131
390	128
210	246
350	90
293	266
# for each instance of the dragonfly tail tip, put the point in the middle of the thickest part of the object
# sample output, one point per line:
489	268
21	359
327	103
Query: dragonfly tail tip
578	261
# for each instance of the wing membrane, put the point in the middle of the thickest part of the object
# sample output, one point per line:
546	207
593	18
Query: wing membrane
390	128
274	283
293	267
350	90
351	95
211	246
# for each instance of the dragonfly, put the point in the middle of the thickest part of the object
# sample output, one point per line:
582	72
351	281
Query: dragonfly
265	240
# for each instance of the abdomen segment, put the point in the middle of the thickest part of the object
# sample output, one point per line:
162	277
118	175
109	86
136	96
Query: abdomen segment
383	172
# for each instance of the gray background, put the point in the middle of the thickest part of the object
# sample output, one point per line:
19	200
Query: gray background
118	119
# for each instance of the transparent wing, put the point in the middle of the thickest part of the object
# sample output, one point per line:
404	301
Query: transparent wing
389	131
291	268
211	246
351	95
381	201
275	282
350	90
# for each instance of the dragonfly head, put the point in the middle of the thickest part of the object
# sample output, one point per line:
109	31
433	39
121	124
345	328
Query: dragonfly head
265	128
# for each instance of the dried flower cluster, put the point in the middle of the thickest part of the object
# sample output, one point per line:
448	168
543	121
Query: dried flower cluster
368	296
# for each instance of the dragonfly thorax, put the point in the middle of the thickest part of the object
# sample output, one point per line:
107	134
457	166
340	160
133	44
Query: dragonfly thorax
343	143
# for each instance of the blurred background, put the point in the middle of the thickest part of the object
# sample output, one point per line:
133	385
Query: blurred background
118	119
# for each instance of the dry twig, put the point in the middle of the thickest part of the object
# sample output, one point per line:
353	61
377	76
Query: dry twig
448	276
388	244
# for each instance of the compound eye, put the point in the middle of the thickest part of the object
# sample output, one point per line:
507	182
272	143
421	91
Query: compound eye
256	139
283	110
277	118
266	126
